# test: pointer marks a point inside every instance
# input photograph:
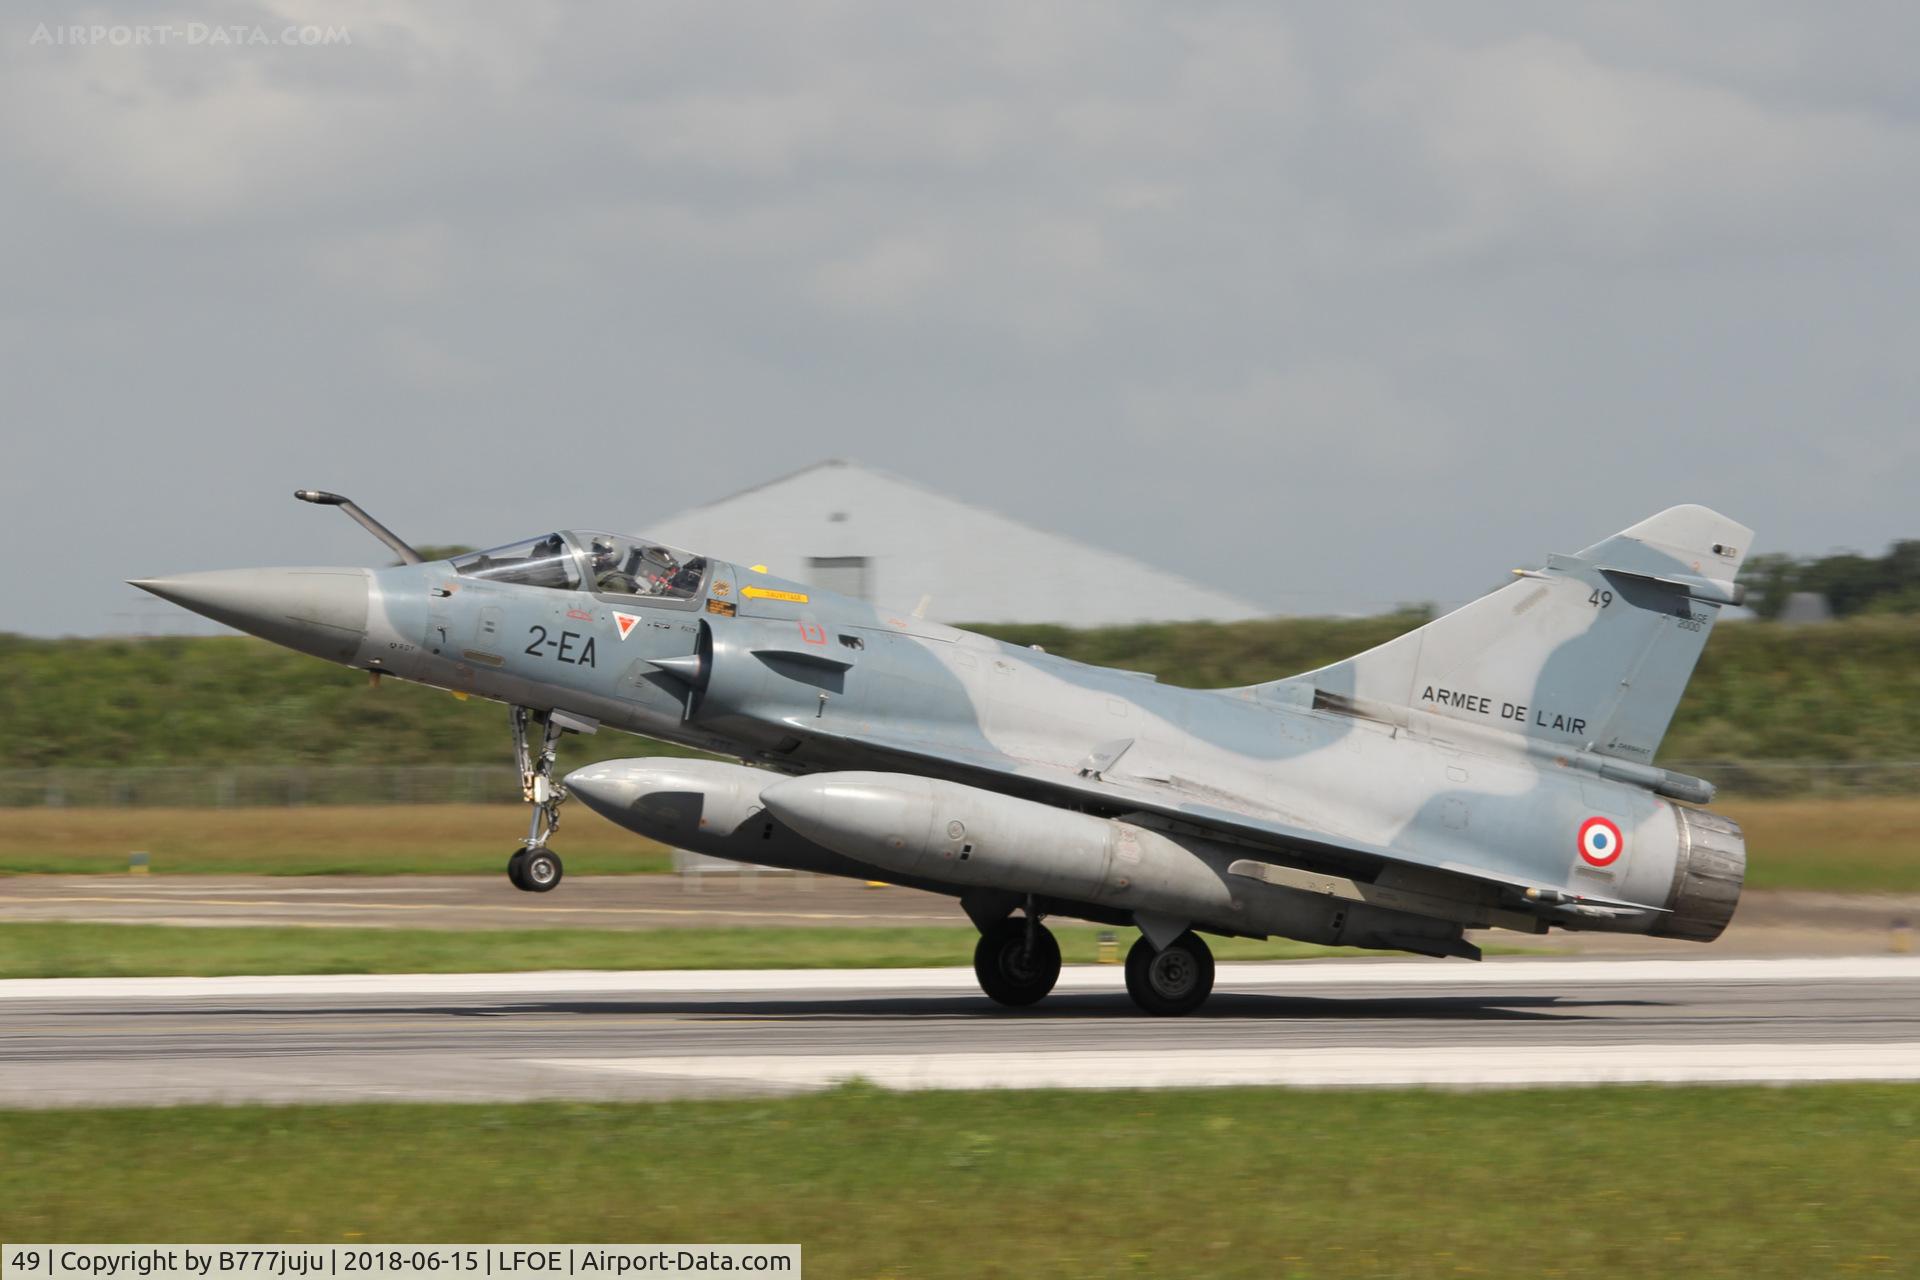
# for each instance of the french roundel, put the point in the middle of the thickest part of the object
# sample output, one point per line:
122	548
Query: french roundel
1600	842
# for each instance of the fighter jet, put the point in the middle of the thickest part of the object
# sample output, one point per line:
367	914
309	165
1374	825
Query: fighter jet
1493	768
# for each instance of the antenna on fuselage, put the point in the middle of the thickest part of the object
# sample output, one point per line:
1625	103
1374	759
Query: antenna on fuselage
321	498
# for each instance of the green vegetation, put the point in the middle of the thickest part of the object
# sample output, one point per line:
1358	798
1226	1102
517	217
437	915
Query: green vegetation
1858	845
1843	691
1838	692
60	950
1851	582
236	700
427	839
1855	844
1753	1184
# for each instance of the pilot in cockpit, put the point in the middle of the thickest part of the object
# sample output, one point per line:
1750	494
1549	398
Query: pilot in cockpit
659	571
621	568
607	573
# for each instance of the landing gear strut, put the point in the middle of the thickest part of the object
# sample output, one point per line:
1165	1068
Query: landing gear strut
534	867
1017	960
1172	981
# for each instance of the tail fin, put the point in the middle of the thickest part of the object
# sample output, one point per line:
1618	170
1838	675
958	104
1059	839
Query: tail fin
1593	651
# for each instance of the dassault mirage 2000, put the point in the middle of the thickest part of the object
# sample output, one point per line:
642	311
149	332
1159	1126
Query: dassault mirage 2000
1493	768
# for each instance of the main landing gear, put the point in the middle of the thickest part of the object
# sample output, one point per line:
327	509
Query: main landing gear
1017	960
1175	980
534	867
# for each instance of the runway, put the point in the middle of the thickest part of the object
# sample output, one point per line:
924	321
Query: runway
471	1037
1769	923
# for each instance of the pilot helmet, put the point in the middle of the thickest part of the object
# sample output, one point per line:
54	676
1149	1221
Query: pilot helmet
605	555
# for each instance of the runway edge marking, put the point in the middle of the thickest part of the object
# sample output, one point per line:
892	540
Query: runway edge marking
1383	1066
1569	973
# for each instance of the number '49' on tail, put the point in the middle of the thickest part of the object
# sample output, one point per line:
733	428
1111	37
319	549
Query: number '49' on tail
1592	650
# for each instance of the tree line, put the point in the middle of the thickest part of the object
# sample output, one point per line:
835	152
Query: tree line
1843	691
1852	583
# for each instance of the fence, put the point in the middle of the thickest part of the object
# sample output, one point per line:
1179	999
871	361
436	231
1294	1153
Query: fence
1805	777
256	786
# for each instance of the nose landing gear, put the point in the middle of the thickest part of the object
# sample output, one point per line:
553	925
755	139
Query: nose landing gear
535	868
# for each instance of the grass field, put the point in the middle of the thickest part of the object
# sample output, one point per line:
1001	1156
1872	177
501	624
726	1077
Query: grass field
1843	691
320	840
1587	1183
1845	846
1851	845
33	950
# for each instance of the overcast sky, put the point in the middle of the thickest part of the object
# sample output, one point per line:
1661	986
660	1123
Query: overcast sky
1329	305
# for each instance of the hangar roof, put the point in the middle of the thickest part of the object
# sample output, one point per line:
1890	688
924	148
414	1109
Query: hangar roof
845	527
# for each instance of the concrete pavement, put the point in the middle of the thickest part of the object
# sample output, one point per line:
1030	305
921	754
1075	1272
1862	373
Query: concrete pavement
155	1041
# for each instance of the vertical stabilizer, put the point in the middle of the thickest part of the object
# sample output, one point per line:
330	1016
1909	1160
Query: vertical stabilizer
1592	651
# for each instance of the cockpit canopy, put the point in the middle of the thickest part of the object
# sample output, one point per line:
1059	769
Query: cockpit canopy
637	567
540	562
604	563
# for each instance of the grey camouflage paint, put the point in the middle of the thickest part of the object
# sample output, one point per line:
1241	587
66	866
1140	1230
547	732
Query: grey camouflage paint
1444	776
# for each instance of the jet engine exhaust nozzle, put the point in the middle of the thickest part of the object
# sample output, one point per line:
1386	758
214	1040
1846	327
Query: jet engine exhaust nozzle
1707	876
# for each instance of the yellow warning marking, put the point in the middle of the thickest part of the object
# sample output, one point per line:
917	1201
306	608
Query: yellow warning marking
768	593
759	568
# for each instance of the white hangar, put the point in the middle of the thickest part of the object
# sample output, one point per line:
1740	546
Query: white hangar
843	527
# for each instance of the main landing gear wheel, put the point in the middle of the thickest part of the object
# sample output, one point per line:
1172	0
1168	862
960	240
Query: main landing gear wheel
1171	982
1017	961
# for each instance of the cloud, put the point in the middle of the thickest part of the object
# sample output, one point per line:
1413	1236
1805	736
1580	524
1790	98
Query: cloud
425	362
1336	417
401	264
886	275
1146	274
1535	136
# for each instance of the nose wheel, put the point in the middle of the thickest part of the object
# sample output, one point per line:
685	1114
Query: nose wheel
536	868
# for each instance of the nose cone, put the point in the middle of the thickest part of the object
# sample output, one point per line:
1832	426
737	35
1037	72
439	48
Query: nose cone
318	611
